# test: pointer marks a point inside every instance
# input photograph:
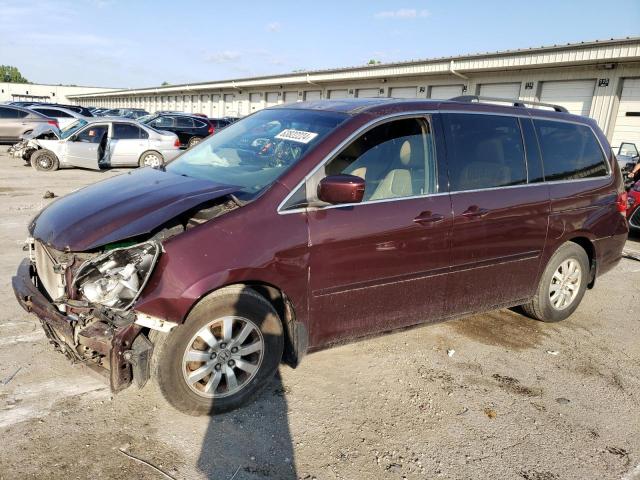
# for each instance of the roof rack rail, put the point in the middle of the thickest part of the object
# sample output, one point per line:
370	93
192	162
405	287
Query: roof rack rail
515	103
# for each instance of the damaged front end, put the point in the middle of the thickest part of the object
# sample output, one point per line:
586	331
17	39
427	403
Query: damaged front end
29	142
92	254
84	303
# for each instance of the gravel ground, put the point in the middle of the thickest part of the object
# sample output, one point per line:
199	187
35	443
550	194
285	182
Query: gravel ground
518	399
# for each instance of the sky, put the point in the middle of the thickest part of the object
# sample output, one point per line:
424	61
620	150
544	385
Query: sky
139	43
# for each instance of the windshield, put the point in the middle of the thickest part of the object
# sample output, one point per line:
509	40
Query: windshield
72	127
252	153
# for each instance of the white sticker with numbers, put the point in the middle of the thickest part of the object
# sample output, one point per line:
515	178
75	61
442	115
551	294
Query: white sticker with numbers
299	136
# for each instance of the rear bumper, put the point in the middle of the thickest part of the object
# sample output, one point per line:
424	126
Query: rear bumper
609	252
60	329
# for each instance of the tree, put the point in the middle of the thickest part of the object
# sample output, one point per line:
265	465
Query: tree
374	62
164	84
11	74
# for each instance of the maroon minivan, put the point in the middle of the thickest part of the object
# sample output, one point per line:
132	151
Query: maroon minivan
308	224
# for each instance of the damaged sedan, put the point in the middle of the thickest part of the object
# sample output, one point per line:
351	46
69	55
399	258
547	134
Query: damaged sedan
308	224
96	143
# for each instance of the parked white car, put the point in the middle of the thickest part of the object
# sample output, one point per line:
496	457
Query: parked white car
98	143
64	116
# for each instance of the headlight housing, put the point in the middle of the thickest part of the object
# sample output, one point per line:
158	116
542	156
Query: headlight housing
116	278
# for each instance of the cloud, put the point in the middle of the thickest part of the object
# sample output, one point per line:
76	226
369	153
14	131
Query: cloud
274	27
403	13
226	56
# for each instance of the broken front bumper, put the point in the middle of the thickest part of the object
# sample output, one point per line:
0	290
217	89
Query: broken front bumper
121	355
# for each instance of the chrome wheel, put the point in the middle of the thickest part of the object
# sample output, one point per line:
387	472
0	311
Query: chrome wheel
565	284
193	142
152	160
223	357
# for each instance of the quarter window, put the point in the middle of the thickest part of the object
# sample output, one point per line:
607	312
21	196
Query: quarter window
395	159
569	151
484	151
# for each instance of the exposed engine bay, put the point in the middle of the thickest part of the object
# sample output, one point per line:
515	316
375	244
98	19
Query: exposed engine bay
95	292
32	142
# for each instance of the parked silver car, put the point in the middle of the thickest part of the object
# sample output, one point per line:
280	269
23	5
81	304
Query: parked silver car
64	116
16	121
98	143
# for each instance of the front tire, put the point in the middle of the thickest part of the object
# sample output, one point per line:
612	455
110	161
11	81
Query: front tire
562	285
44	161
227	350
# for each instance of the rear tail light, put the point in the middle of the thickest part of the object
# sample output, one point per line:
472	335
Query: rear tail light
211	130
53	122
621	203
177	142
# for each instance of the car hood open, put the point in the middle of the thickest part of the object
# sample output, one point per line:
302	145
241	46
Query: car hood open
121	207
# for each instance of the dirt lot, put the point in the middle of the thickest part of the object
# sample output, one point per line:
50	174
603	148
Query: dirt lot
518	399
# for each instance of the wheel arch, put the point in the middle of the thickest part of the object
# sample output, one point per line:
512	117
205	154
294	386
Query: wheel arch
151	150
296	336
587	245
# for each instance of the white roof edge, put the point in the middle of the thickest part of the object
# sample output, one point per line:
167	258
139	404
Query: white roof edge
596	52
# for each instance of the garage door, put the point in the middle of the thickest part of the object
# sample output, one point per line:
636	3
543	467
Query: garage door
313	95
368	92
272	99
333	94
574	95
215	104
446	91
627	126
403	92
255	99
500	90
229	110
290	97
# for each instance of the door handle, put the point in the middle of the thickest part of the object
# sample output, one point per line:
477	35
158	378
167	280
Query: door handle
428	218
475	211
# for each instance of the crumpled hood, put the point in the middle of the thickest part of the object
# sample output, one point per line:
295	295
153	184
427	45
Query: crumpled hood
121	207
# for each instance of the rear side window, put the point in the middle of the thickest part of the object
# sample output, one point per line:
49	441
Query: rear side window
184	122
484	151
126	131
569	151
12	113
53	113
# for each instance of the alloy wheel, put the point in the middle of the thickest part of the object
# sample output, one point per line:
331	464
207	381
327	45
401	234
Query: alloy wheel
45	162
565	284
223	357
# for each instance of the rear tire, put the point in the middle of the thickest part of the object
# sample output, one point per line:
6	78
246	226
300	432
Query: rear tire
561	286
236	368
193	141
151	159
44	161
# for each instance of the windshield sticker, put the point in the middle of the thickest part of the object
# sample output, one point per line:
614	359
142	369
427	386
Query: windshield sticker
299	136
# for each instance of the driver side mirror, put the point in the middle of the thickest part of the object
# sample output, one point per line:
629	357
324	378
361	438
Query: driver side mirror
337	189
73	138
